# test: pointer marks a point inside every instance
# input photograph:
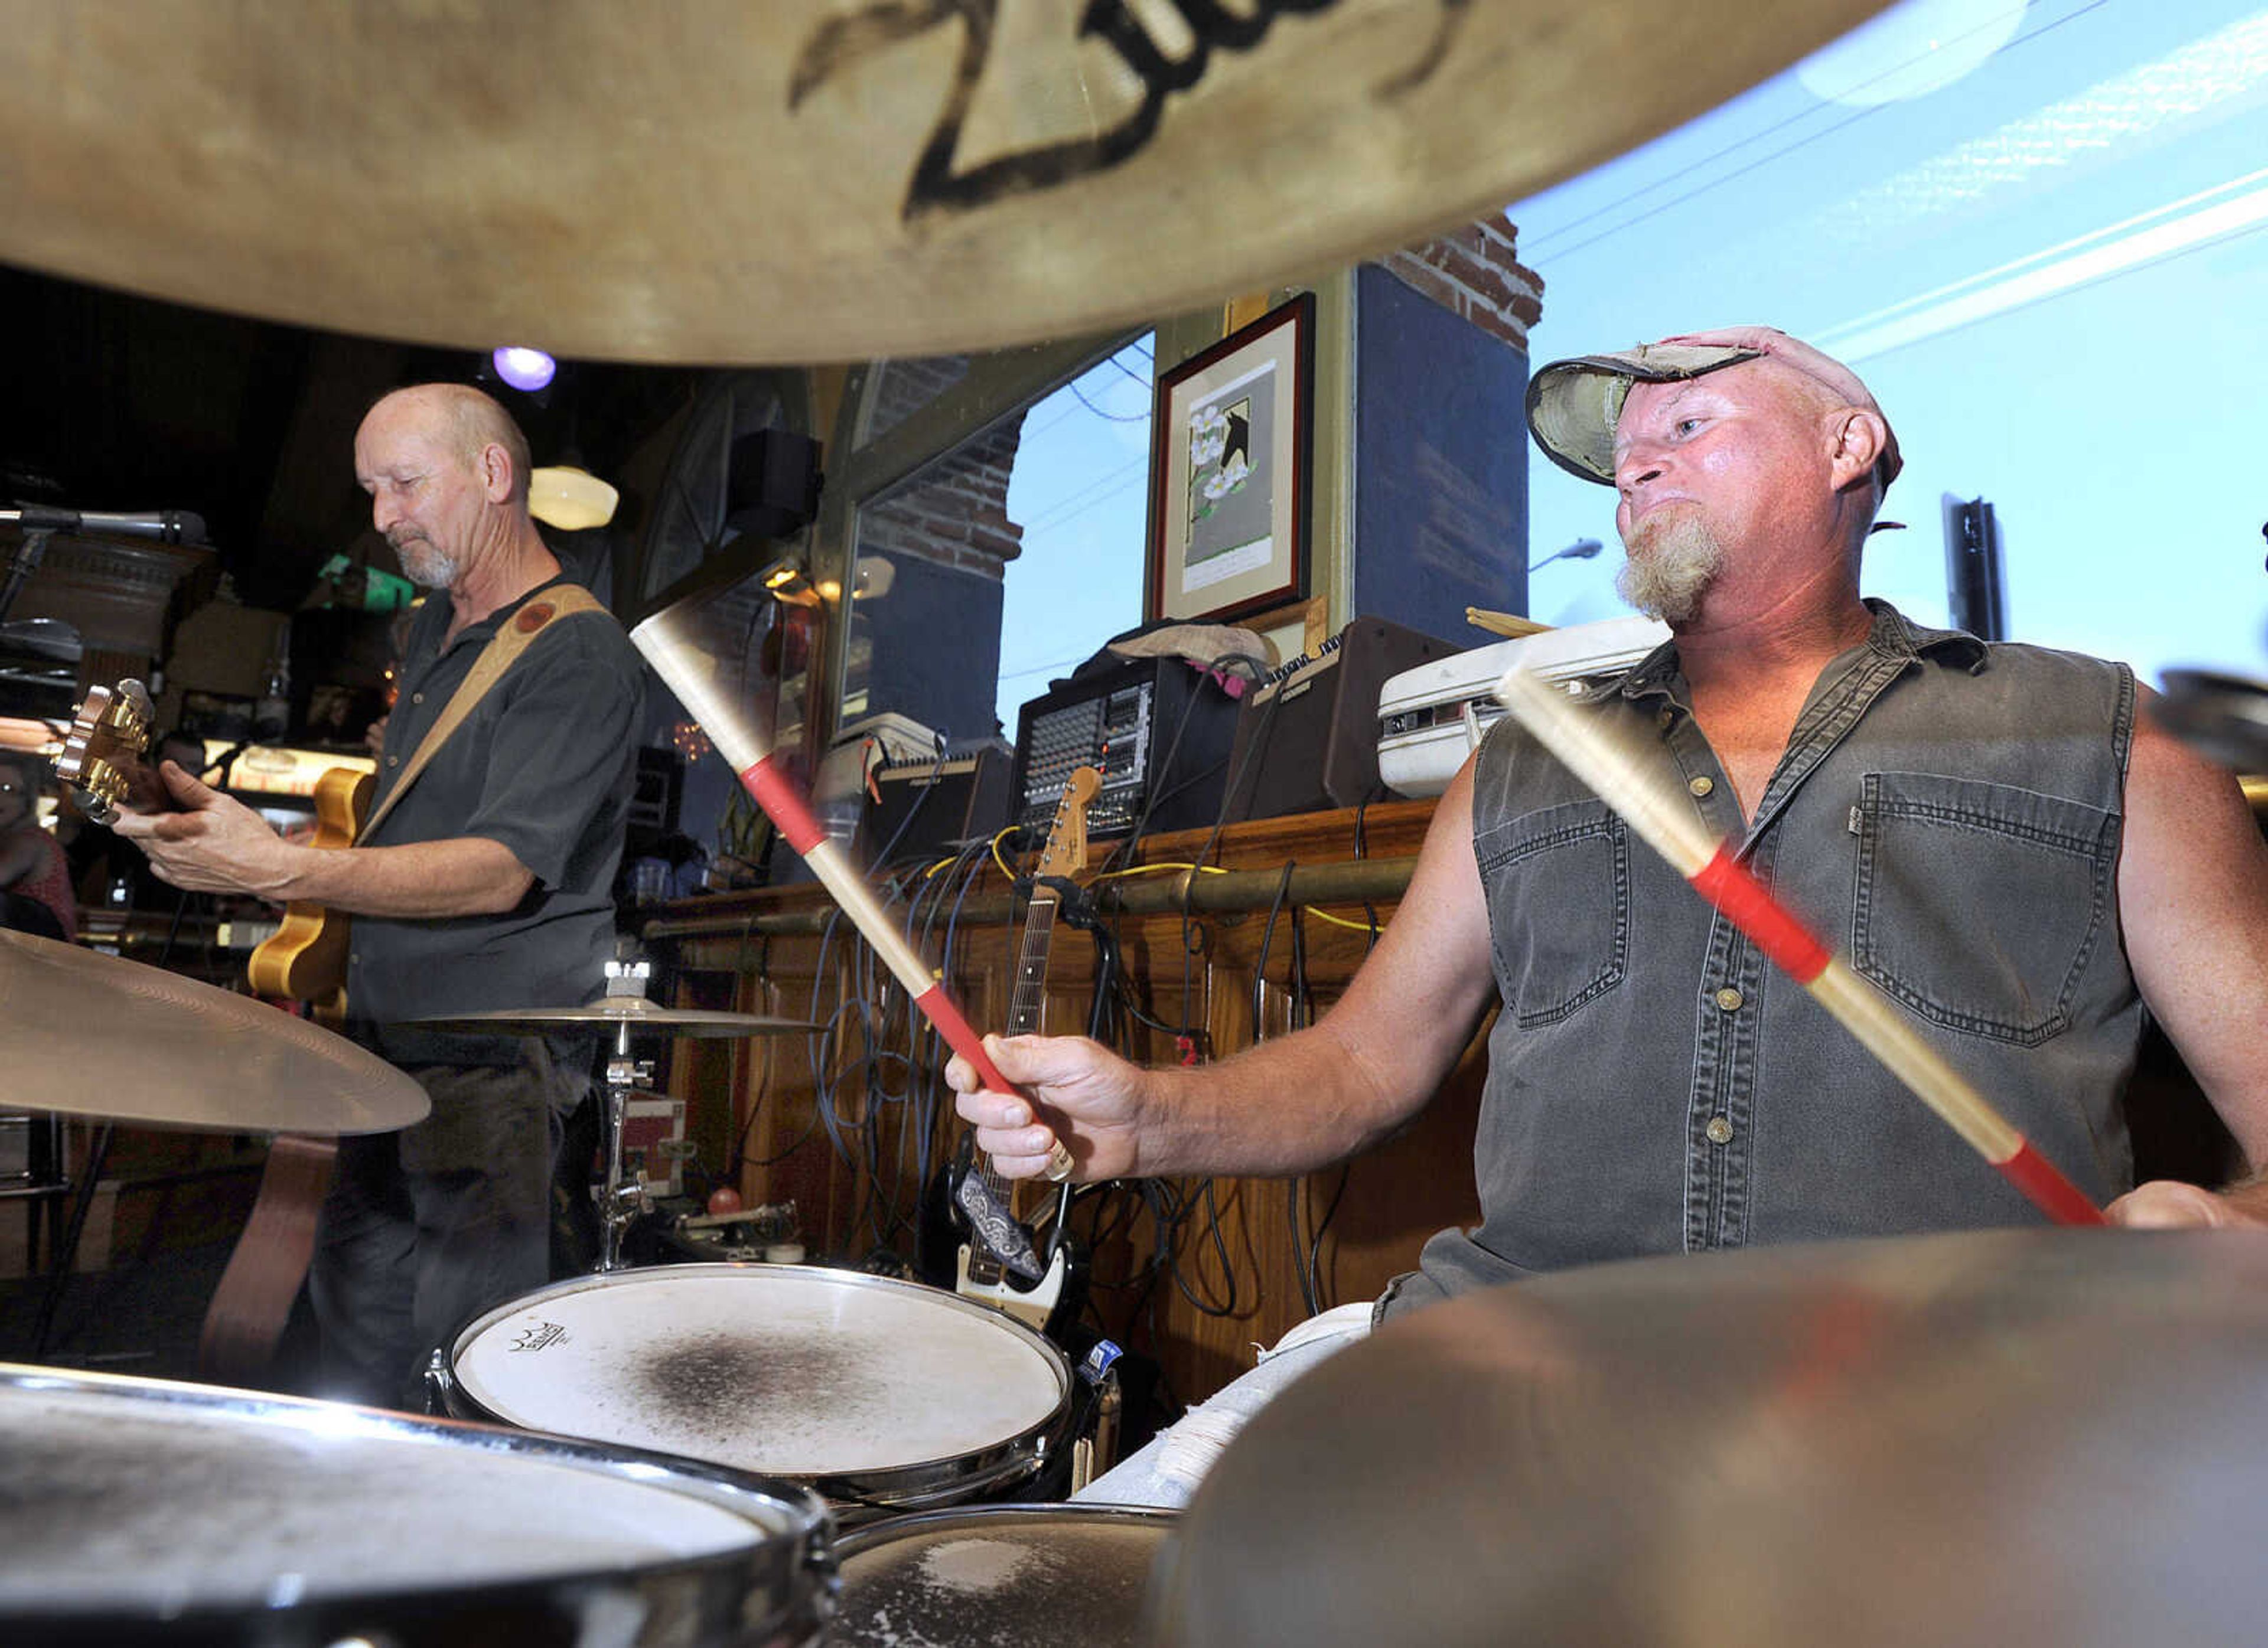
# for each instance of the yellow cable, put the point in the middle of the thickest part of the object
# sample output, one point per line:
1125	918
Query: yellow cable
997	858
1160	869
1340	920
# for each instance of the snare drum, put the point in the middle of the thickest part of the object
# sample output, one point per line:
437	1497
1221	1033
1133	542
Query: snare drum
877	1393
1000	1576
139	1511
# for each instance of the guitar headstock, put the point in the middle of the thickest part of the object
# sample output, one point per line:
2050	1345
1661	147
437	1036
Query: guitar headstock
109	734
1065	853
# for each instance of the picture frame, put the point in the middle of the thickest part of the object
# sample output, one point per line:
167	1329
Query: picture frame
1232	445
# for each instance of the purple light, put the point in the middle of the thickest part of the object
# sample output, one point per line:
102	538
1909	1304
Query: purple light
526	369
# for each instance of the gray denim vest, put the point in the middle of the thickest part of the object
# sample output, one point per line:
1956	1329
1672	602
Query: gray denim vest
1947	817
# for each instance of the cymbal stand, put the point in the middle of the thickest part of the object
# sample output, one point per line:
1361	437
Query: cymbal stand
619	1204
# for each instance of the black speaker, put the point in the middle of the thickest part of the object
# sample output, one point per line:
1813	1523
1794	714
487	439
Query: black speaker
1309	743
772	484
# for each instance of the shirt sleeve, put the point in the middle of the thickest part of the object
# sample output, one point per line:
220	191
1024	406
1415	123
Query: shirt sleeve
562	755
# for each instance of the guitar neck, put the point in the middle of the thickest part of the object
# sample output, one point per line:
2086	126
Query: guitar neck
1028	997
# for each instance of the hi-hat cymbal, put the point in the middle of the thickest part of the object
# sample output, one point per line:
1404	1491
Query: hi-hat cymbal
812	179
2050	1437
612	1013
90	1034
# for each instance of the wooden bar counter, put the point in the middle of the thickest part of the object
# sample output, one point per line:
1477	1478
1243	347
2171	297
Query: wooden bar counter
840	1130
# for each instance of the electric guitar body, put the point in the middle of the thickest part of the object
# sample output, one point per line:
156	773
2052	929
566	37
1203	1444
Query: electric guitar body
306	959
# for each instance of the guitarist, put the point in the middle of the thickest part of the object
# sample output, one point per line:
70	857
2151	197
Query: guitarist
484	886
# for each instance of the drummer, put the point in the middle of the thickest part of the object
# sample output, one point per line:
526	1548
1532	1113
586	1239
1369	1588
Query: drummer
488	888
2009	848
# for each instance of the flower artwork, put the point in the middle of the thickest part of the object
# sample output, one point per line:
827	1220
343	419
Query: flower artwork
1220	454
1228	513
1228	509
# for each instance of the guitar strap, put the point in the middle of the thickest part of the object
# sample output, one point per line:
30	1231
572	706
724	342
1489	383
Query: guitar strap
554	602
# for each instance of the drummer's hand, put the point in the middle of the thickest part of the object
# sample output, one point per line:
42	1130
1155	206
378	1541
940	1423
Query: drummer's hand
1093	1097
2169	1204
214	844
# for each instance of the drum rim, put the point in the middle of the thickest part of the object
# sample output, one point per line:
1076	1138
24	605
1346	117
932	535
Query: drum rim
915	1523
787	1556
914	1485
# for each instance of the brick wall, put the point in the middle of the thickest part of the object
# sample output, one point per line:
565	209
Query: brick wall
1473	272
954	512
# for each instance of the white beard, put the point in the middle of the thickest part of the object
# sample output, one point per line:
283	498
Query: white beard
1673	561
425	565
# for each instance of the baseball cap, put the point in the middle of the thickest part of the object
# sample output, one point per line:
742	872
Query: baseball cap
1573	404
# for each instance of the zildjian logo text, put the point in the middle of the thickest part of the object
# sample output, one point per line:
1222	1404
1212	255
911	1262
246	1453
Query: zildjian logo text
842	43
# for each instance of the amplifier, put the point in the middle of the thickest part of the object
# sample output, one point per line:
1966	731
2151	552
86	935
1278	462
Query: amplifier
1308	742
923	807
1159	732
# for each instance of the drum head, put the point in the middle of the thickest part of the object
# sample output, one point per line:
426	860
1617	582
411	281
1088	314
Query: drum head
130	1500
791	1371
1003	1576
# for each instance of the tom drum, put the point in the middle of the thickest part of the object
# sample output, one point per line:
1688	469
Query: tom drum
877	1393
139	1511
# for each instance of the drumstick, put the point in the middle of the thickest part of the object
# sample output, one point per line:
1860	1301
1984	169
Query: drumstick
1668	823
689	671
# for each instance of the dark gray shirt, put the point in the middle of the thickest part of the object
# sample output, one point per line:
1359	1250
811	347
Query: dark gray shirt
542	766
1946	816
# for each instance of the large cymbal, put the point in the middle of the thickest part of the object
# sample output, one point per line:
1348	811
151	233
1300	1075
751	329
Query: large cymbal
810	180
90	1034
2053	1436
612	1013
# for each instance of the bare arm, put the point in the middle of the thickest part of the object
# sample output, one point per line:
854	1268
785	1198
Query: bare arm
1290	1105
218	845
2193	899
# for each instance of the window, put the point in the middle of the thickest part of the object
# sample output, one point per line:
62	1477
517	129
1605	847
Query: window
1005	561
2035	231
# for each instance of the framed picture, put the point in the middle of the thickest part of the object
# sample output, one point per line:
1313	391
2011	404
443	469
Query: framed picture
1229	471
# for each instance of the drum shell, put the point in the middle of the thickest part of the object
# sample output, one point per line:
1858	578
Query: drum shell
1096	1610
777	1591
917	1484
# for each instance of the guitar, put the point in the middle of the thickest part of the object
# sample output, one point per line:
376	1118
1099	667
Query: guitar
981	1272
101	763
305	958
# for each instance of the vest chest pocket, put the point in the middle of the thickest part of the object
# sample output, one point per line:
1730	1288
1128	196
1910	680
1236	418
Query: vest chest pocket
1557	882
1978	905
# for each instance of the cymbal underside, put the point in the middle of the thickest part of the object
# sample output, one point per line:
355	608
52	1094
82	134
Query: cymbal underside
90	1034
2050	1437
810	180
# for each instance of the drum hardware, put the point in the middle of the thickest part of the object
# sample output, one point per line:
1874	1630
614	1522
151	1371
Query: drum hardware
1094	1448
2022	1437
145	1511
1037	1574
624	1009
748	1234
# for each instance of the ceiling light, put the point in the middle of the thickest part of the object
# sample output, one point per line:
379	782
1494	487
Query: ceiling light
571	499
526	369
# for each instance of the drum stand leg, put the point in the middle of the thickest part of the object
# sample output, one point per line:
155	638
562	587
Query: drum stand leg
619	1203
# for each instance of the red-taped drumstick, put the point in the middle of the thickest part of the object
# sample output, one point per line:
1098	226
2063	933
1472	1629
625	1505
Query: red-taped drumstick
690	671
1665	818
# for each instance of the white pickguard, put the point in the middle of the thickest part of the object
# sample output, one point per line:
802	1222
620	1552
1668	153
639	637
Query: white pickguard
1032	1307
